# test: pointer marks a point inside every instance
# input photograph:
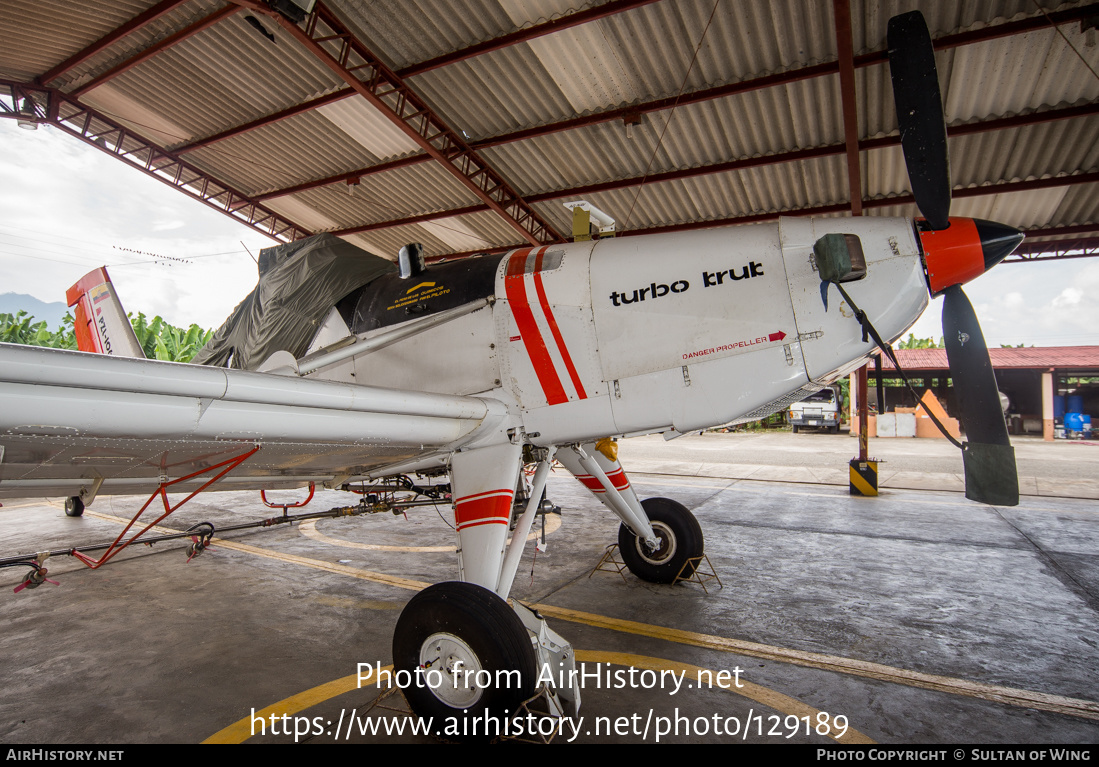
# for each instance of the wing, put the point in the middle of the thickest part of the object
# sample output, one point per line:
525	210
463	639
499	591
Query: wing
70	420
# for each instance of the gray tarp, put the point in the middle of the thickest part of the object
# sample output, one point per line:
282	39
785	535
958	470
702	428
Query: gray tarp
299	283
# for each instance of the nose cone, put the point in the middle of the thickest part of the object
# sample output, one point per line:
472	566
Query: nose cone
965	250
997	240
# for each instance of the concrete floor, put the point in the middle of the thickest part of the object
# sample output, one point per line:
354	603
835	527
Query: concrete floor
918	616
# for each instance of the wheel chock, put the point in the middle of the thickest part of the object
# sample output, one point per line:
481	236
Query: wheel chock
611	562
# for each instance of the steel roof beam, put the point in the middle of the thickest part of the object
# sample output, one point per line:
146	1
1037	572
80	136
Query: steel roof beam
709	94
841	14
497	43
107	135
270	119
881	202
523	35
795	75
822	210
389	94
1055	250
701	170
1036	249
402	162
137	22
817	70
422	218
1000	123
155	48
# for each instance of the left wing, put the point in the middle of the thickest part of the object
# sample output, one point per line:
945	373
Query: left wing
70	420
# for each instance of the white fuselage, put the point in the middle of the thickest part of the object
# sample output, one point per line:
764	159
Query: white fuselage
662	333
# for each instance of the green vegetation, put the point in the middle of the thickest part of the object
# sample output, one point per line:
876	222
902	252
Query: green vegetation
920	343
22	329
167	342
159	339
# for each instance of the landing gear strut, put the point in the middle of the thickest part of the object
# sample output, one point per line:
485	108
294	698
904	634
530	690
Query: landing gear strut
467	653
679	541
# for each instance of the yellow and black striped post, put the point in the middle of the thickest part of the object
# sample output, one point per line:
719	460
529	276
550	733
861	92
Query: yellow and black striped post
864	477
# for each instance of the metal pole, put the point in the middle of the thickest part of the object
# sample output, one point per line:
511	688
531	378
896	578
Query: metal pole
864	416
522	527
880	384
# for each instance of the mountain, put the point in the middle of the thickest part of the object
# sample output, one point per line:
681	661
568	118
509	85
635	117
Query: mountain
52	313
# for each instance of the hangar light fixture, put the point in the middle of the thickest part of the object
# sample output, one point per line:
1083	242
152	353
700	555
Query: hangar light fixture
295	10
28	120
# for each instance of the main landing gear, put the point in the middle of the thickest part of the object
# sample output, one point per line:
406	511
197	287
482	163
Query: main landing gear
74	506
466	652
679	543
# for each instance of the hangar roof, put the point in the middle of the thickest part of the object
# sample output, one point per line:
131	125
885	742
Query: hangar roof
466	125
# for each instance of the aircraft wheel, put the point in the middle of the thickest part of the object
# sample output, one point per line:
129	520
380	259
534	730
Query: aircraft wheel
680	540
480	649
74	506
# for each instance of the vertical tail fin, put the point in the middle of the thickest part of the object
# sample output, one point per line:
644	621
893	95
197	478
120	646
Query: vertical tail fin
101	324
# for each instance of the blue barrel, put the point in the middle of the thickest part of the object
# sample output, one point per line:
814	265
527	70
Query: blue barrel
1074	403
1058	406
1074	422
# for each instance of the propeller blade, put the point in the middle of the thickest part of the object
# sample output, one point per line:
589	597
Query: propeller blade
919	106
989	459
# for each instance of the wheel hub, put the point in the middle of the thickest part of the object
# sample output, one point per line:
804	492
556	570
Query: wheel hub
665	545
458	665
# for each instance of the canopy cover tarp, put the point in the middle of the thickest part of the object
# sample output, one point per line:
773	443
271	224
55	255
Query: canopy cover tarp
299	283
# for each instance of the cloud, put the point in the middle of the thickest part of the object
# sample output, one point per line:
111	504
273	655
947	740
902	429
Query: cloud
1068	297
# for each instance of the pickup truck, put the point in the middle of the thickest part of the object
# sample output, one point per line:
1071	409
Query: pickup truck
819	410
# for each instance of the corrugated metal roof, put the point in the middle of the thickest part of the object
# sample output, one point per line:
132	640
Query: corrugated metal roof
1030	357
229	75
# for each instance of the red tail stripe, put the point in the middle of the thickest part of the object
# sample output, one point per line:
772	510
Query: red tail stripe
87	340
516	289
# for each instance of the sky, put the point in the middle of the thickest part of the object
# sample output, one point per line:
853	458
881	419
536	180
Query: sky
66	208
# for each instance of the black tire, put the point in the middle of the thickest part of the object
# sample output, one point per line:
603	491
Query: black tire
794	428
680	540
74	506
465	622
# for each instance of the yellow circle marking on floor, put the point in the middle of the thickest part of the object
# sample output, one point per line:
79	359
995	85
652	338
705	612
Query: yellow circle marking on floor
309	530
784	704
242	730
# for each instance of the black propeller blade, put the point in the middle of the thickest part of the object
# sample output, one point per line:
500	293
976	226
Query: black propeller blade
920	115
989	459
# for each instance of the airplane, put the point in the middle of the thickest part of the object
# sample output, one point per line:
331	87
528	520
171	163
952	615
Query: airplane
466	371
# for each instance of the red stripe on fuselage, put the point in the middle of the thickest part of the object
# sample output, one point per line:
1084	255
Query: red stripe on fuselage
516	289
556	331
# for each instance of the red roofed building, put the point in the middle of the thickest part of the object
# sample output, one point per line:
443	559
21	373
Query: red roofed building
1033	378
